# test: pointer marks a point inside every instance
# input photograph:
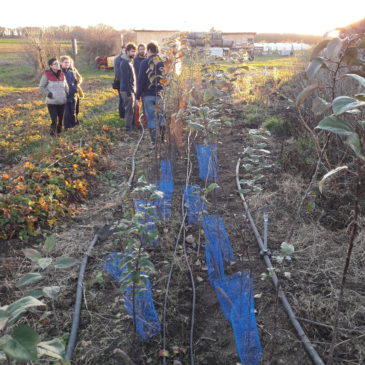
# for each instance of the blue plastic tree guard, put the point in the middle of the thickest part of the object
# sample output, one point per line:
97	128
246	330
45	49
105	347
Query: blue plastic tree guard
147	322
243	320
215	264
166	170
217	236
236	297
207	161
147	219
194	204
163	205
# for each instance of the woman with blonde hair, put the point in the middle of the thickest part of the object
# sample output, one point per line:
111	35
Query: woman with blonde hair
80	92
70	120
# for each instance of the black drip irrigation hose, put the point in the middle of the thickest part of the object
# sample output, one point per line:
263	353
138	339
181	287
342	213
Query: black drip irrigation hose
167	289
301	334
101	234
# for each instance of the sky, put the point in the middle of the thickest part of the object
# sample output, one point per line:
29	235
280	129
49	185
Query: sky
261	16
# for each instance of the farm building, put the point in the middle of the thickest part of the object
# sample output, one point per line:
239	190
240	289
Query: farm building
235	40
240	39
146	36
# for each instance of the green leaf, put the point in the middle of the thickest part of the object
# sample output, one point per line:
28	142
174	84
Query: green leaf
65	262
286	249
318	48
49	244
32	254
4	318
333	48
36	293
305	93
311	206
335	125
343	104
142	180
320	106
353	140
314	67
360	97
350	57
21	345
21	305
210	94
53	348
329	174
44	262
30	278
359	79
210	188
195	126
51	291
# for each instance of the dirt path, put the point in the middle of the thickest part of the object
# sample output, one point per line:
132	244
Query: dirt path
105	326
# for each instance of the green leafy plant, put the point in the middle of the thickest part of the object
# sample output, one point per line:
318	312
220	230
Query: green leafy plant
345	122
255	162
276	126
136	260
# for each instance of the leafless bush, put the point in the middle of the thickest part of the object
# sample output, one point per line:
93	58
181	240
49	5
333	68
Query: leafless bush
40	46
102	41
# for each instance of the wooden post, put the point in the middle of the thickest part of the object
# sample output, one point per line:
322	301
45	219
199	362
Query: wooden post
74	48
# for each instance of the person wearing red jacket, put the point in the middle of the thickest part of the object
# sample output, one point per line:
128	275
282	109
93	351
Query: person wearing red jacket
54	87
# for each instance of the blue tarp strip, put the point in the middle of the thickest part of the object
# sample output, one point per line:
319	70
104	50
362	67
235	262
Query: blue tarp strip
166	170
194	204
147	322
216	234
207	161
163	205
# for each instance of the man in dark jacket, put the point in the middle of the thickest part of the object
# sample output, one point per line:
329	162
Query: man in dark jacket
141	55
127	88
117	61
149	88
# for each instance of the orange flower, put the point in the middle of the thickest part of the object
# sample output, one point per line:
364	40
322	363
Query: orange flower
5	176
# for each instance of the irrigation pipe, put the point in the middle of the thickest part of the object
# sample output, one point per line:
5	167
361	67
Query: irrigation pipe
182	227
302	336
102	233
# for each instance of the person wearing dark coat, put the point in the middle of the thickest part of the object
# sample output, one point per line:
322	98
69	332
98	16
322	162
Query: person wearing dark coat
69	119
54	87
117	61
141	55
149	89
127	88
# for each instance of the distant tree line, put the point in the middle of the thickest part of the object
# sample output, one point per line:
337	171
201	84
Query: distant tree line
61	33
287	37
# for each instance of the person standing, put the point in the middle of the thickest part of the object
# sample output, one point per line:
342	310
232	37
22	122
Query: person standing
54	86
141	55
69	120
127	88
117	61
149	88
80	93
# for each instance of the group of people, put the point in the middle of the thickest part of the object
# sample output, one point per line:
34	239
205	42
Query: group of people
139	76
60	84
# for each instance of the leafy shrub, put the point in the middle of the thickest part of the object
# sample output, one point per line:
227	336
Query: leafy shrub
276	126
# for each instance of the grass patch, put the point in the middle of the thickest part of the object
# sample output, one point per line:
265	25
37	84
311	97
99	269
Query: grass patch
16	76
